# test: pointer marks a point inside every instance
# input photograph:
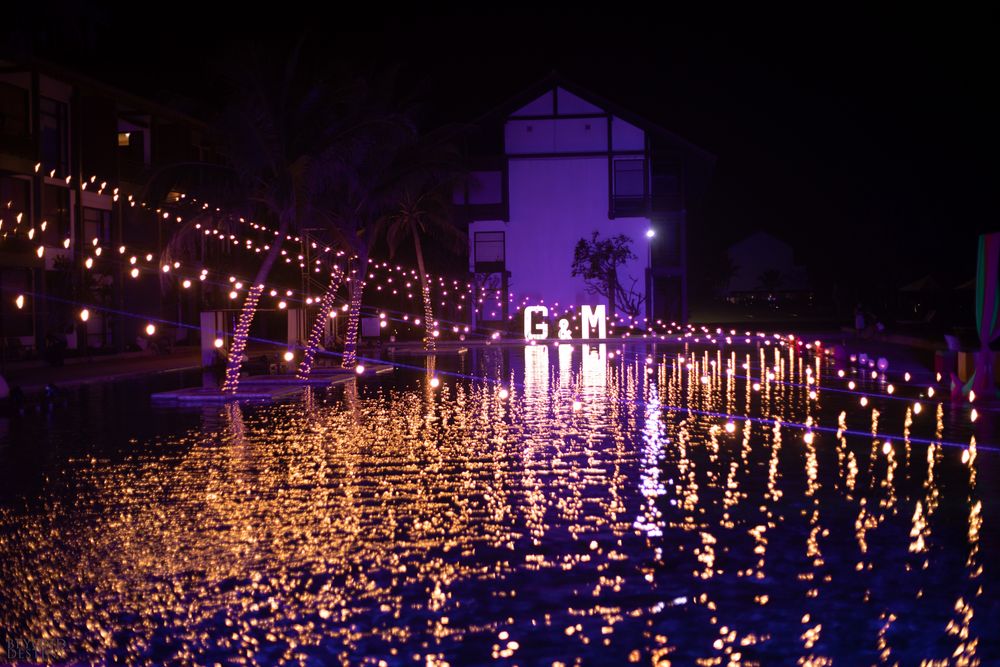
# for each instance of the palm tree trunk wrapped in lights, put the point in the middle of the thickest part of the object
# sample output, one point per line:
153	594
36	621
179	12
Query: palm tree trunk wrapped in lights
235	360
354	318
417	213
319	326
425	288
428	319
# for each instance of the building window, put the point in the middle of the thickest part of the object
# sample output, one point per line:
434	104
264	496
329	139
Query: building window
56	213
13	111
486	187
481	188
54	121
489	251
15	322
132	148
96	225
630	185
666	177
630	178
14	197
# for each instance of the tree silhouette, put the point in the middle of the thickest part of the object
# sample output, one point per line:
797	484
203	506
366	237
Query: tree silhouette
770	280
415	215
598	261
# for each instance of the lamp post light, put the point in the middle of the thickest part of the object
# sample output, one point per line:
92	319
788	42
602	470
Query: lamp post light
650	234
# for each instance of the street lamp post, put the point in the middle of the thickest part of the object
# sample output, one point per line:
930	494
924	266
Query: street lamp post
650	234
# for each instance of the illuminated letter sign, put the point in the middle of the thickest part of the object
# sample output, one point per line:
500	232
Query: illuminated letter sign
540	331
593	317
564	332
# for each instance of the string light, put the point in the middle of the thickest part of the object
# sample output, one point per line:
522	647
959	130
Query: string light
319	325
240	335
439	283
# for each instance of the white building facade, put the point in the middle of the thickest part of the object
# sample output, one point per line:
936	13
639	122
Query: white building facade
570	165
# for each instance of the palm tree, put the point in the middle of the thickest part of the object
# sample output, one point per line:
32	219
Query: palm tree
770	280
417	214
366	184
724	271
319	325
290	137
385	169
315	152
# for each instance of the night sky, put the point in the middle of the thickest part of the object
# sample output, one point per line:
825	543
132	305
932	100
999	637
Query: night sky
865	140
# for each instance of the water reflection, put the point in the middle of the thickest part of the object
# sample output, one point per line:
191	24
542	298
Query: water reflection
636	504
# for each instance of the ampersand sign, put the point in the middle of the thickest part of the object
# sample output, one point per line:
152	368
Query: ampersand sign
564	331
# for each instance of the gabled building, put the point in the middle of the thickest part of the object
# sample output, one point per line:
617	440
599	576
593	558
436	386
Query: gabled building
764	269
556	164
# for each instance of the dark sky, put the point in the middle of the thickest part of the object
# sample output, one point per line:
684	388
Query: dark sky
867	140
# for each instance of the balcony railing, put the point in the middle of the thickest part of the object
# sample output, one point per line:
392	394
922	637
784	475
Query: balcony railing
645	205
18	146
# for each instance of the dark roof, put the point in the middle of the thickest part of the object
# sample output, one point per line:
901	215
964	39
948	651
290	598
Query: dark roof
761	234
554	79
924	284
94	86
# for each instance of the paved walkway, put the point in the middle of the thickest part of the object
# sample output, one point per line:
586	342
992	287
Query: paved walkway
33	379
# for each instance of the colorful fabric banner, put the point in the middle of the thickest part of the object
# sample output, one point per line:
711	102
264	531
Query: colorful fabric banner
987	313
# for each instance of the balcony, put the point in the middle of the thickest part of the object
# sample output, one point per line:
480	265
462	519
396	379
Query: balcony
17	153
132	171
490	252
645	205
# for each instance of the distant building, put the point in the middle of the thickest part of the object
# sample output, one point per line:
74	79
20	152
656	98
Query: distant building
763	268
66	144
554	165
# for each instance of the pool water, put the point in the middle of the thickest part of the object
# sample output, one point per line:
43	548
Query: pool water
639	504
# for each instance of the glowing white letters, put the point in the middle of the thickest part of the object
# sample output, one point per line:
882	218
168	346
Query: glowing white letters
564	332
591	317
530	332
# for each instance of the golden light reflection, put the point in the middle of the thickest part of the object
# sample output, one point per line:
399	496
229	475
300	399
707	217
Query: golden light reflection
571	505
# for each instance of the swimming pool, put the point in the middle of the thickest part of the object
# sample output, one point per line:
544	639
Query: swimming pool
544	504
